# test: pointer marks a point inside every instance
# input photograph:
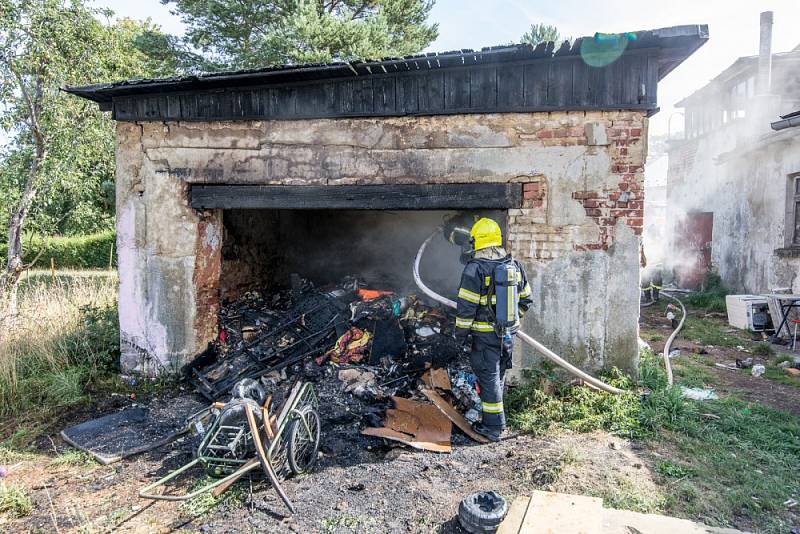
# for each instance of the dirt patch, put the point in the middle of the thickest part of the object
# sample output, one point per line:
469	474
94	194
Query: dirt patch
361	485
780	396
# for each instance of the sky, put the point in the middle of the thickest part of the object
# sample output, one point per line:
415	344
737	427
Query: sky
733	27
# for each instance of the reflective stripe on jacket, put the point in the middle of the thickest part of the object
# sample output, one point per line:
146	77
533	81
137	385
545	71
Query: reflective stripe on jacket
474	312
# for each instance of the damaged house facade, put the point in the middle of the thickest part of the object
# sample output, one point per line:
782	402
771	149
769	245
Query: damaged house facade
733	188
231	182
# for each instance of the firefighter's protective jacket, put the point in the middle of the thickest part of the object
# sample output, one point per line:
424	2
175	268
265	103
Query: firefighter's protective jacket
474	314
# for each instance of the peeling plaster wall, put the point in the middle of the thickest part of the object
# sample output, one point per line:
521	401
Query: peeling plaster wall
745	183
577	231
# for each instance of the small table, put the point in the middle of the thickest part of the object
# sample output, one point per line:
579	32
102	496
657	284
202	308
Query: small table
785	302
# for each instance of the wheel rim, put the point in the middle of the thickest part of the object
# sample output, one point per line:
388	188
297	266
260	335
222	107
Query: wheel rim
304	440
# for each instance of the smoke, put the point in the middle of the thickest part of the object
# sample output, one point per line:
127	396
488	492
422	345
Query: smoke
375	246
724	164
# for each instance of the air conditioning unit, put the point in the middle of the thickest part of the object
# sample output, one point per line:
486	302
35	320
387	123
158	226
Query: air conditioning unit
748	312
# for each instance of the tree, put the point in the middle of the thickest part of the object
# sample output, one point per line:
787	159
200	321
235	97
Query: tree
257	33
541	33
58	142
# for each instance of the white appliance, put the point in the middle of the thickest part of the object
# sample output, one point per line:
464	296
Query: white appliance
748	312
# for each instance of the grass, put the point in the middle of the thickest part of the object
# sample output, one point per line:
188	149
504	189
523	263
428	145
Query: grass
65	340
773	372
725	462
14	502
205	503
73	458
710	332
711	297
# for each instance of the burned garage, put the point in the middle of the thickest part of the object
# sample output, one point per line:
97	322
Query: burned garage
240	185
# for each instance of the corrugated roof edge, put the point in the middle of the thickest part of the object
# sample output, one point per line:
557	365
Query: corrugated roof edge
688	37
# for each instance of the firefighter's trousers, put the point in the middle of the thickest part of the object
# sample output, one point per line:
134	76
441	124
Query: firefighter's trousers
485	359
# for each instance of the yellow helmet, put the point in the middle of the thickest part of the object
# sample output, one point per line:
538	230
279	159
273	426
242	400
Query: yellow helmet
486	233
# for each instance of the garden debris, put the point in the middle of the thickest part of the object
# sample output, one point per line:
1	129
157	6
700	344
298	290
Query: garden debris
747	363
758	370
698	394
792	372
381	344
359	383
349	348
133	430
415	424
451	413
437	378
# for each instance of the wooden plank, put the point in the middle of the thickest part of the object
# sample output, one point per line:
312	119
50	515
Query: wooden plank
559	83
516	514
536	84
457	89
452	414
510	86
559	513
431	91
384	100
399	197
483	88
407	94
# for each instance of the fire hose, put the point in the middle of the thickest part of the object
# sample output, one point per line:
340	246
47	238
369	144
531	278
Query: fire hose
549	354
668	344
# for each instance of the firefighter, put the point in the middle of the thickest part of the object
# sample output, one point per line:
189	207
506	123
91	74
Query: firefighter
493	295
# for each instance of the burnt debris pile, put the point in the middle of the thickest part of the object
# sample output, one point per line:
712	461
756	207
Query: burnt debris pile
385	364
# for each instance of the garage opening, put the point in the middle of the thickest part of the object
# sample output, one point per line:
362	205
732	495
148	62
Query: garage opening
262	248
327	233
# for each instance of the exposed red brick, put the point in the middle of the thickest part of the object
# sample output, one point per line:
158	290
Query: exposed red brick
544	134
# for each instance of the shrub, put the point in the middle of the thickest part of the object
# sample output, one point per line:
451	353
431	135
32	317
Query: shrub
79	252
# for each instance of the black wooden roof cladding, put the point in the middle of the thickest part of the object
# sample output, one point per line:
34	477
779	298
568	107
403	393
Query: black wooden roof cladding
494	79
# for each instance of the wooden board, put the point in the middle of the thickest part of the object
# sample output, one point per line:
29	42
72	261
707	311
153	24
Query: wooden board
406	439
358	197
453	415
516	514
625	522
558	513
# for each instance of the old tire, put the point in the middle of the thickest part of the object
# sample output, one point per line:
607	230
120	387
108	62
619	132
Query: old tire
482	512
301	447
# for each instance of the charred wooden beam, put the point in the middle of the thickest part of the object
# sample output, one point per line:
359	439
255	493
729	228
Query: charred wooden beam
358	197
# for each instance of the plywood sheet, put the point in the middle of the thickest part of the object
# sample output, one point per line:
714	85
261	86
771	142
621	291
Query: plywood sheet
558	513
516	514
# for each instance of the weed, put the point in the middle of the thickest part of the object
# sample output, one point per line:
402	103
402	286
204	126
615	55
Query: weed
204	503
533	411
344	521
763	349
73	458
669	469
622	494
711	296
14	501
65	339
656	337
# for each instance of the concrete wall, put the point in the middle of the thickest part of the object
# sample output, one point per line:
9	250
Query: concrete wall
743	179
577	232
